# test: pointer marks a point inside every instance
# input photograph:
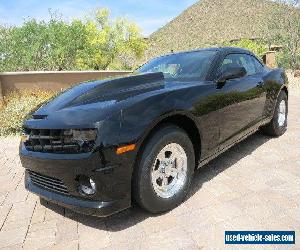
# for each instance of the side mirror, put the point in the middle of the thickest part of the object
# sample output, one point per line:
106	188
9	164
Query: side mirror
231	73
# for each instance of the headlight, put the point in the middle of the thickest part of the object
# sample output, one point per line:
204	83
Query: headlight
84	135
85	138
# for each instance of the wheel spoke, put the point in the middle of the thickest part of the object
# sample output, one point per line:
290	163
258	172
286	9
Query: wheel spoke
171	157
161	156
180	163
156	175
173	172
175	163
165	181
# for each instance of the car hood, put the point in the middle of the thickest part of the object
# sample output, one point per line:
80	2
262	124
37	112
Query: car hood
94	101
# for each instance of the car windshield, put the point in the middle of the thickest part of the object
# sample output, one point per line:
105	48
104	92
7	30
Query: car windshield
183	66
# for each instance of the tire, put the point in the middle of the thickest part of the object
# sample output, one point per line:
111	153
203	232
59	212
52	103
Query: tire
153	190
278	124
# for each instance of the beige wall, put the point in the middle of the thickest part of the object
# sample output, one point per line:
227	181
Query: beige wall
49	80
269	59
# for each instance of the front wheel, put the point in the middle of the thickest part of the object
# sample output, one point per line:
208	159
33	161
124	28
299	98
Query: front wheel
278	124
163	175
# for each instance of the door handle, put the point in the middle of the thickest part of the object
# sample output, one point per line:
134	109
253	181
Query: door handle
260	84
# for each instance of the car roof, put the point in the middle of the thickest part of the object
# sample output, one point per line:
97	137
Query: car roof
219	49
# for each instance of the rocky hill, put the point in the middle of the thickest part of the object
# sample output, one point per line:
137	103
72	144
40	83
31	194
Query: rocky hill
210	22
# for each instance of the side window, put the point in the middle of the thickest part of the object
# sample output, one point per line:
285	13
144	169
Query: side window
231	60
258	66
248	63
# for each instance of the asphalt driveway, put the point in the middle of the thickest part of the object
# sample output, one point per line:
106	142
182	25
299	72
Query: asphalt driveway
253	186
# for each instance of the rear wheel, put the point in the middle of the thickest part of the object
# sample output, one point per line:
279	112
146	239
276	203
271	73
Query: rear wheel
164	173
278	124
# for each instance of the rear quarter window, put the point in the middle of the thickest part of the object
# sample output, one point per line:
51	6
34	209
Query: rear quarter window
258	66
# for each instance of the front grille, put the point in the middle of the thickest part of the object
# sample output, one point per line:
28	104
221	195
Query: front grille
51	141
49	183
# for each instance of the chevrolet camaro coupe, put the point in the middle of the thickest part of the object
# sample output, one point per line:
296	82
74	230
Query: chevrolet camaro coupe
100	146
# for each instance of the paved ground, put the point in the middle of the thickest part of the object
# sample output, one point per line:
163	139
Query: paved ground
254	186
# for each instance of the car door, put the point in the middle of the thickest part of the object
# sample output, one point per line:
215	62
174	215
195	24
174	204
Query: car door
242	99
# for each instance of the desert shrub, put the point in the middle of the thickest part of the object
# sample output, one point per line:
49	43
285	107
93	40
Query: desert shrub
286	32
16	106
283	59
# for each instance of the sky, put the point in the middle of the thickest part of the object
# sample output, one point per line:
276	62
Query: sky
149	15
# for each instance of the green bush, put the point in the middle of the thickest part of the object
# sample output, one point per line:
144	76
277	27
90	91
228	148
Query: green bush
16	107
98	42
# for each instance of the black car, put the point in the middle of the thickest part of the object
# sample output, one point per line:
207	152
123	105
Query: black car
101	145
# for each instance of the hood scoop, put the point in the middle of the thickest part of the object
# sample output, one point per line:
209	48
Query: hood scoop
39	117
120	88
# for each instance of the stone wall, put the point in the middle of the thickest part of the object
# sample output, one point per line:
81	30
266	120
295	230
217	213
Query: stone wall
49	80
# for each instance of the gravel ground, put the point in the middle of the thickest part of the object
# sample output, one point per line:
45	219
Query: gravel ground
294	82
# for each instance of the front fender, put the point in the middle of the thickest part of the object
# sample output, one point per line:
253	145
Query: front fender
136	119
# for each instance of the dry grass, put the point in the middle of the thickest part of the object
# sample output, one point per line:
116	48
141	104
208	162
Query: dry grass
16	107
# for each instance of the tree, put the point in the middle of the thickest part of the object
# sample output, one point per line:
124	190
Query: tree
96	43
41	45
284	26
111	42
5	45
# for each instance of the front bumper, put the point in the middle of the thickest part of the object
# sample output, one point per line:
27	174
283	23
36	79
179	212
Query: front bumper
112	178
88	207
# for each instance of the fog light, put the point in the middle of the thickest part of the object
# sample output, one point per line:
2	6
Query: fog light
87	186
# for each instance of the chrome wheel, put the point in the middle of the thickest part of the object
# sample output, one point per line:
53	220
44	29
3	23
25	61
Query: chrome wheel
169	170
282	113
